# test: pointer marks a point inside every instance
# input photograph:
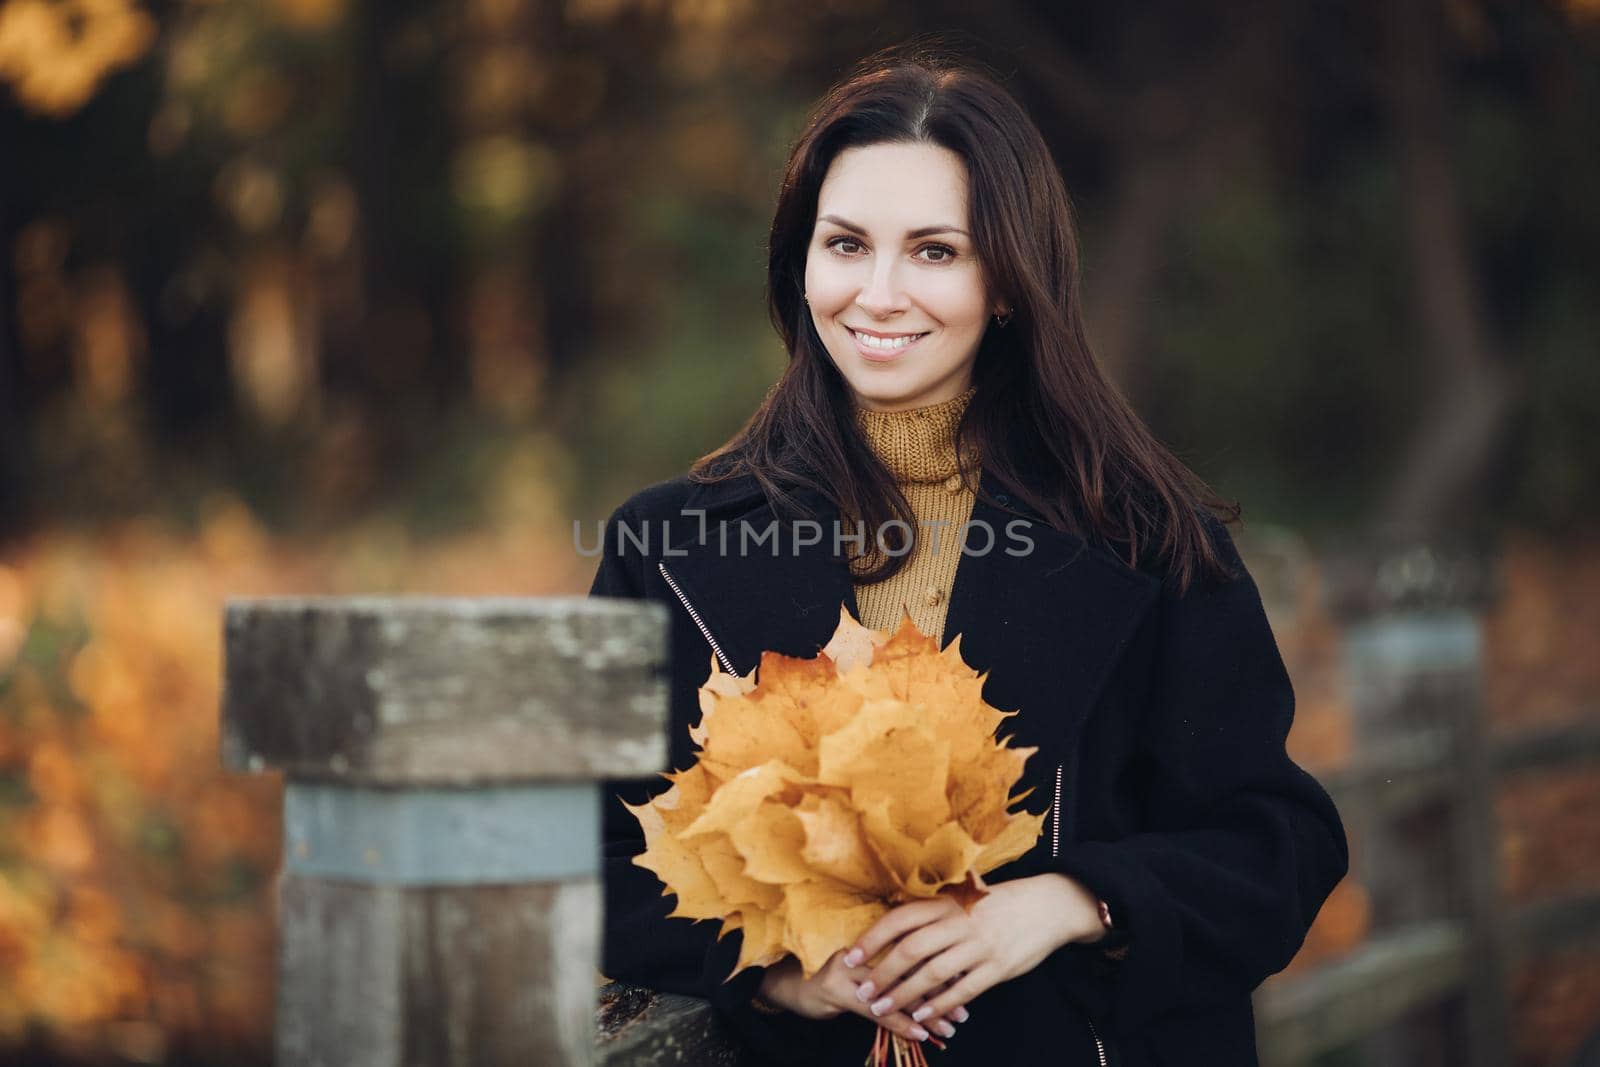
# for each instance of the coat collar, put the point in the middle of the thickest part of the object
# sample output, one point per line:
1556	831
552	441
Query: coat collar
1044	613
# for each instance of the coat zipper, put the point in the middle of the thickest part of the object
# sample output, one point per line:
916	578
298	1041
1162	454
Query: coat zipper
1055	818
1099	1047
722	657
1055	850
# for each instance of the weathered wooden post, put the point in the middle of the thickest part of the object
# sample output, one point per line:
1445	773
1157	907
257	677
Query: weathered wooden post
440	897
1413	667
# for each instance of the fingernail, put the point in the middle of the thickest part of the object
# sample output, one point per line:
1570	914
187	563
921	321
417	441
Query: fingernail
864	991
922	1013
961	1015
944	1028
852	957
919	1033
881	1005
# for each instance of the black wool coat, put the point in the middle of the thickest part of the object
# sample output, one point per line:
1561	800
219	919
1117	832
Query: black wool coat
1160	723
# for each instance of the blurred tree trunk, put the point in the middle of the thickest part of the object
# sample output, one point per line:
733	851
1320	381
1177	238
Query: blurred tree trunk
187	386
605	113
13	435
402	151
1440	479
1144	129
1162	114
1116	295
503	323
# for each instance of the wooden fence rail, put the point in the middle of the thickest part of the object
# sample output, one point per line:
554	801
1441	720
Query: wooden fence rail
1423	963
1429	985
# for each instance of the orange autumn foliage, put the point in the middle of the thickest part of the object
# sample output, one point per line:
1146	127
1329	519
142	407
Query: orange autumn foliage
136	875
834	789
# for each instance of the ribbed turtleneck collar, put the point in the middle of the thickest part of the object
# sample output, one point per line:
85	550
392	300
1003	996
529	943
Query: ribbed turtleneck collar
918	444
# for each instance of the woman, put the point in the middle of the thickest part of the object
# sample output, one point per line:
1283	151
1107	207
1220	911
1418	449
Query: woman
923	272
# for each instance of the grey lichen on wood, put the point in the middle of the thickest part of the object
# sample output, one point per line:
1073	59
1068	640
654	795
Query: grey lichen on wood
446	691
637	1027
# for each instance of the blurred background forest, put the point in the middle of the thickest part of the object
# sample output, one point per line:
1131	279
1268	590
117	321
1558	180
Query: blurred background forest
321	296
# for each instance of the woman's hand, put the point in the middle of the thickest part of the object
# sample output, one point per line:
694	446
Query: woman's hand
832	991
940	957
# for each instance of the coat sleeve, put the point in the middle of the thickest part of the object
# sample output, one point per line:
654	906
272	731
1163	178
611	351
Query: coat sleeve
1238	846
641	944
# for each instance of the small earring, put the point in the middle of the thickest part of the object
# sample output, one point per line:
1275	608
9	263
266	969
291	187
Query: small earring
1001	320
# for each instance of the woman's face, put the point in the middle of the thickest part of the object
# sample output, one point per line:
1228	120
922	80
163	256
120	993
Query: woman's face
892	256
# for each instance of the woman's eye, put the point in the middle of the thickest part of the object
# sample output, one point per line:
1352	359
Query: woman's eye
941	253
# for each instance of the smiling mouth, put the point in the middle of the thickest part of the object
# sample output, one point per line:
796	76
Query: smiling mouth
886	344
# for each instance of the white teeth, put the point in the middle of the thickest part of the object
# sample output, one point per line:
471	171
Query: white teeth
887	343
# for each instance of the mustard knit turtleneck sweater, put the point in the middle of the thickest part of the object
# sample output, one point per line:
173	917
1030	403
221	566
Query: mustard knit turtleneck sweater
918	447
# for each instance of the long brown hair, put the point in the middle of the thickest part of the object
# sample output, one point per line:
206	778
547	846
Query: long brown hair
1044	418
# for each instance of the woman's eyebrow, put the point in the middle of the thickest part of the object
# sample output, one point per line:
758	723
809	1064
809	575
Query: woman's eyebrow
926	231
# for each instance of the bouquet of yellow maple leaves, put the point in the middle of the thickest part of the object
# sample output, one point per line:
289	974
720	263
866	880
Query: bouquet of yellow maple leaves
833	790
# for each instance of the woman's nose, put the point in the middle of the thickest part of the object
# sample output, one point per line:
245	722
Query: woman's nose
883	293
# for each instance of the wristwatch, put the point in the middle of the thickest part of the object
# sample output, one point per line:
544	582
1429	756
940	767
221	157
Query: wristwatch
1114	942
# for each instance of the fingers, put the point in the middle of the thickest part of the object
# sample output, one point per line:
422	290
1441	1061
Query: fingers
898	1022
918	1010
943	1025
896	923
844	995
937	958
951	1001
914	1007
939	988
